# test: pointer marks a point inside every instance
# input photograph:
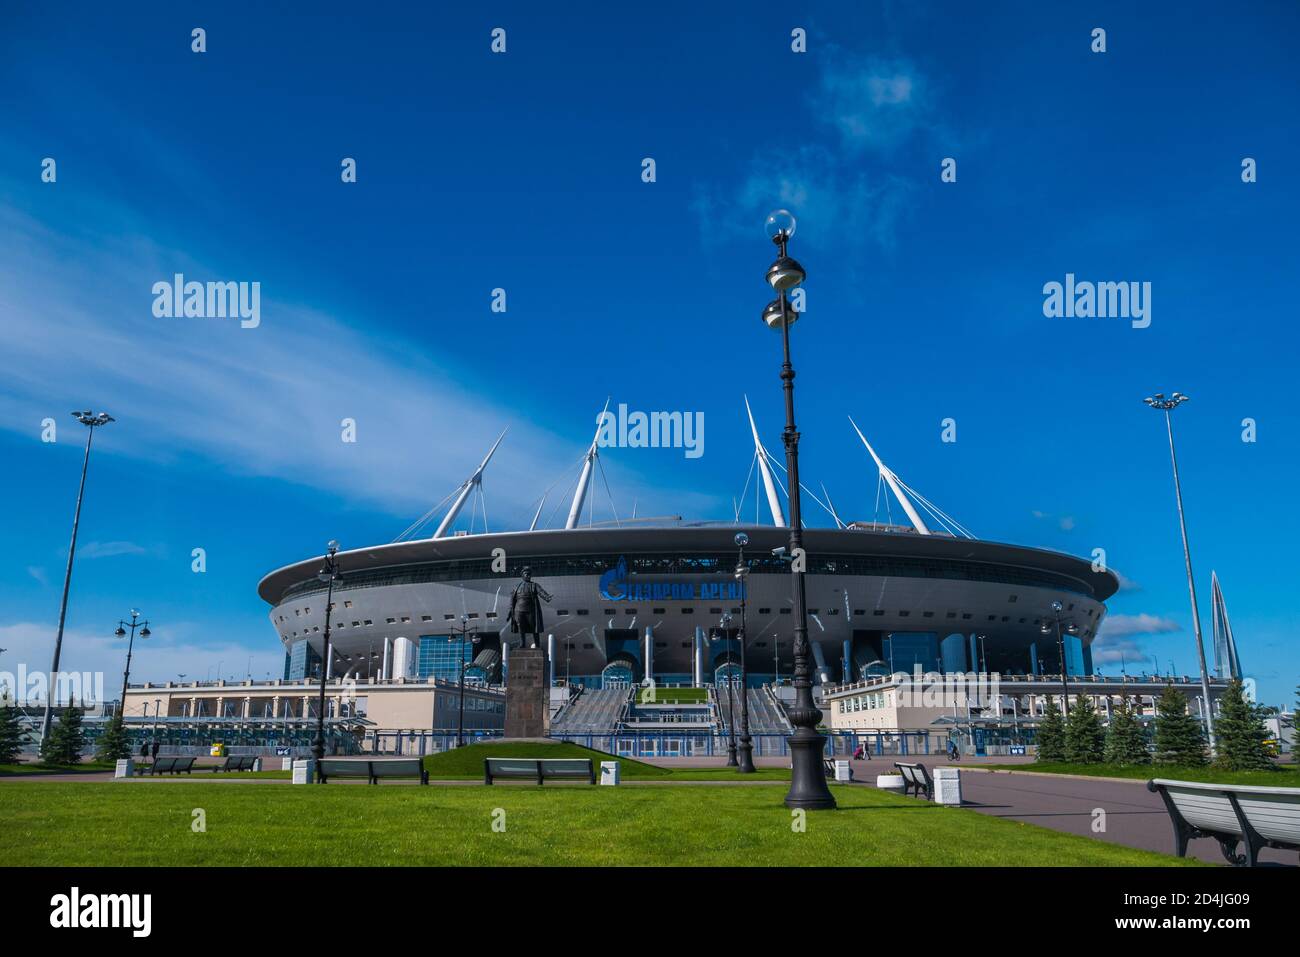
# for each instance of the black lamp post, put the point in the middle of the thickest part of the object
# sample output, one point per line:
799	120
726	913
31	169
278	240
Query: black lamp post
746	748
121	632
808	788
724	626
1073	629
329	574
463	630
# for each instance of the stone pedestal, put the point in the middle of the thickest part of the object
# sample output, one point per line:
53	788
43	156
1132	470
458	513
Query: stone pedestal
528	712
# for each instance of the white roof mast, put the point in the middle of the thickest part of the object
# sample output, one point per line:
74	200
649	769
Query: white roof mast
769	486
474	480
580	493
892	481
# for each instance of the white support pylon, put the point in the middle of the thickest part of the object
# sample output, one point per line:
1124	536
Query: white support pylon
917	522
584	480
465	489
769	486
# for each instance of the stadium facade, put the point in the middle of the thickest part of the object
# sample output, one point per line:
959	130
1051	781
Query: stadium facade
634	601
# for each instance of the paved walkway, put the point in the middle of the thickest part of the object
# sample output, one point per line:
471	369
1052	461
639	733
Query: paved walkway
1135	816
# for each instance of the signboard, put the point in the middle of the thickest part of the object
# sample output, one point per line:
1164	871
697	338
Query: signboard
1017	749
615	586
283	752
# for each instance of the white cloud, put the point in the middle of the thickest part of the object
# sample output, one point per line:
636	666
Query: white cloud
38	573
158	659
1123	626
109	549
256	402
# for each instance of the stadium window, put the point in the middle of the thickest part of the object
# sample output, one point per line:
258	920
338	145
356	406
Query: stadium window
814	611
993	617
904	614
491	614
952	614
348	603
833	611
391	621
735	611
629	611
1011	599
587	646
1006	617
563	611
859	611
786	611
426	618
356	624
368	622
688	611
718	611
611	611
448	617
662	644
927	614
407	618
765	611
965	616
583	611
472	614
878	612
659	611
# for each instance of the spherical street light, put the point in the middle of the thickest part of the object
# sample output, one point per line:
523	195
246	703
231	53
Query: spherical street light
780	225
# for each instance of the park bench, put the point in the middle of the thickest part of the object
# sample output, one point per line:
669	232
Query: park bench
247	762
172	766
539	769
1257	815
916	777
372	769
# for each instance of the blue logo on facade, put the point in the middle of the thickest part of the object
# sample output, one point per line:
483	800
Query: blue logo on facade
614	581
614	586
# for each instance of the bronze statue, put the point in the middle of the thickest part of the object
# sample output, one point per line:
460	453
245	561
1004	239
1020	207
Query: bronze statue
526	608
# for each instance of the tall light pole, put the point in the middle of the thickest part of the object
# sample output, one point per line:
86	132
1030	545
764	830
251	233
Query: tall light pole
121	632
91	421
329	574
746	747
808	788
1158	401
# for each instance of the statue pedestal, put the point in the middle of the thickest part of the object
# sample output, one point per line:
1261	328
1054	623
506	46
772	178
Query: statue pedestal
528	705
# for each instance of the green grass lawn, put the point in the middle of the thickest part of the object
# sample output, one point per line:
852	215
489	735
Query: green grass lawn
1288	777
672	695
39	767
467	763
107	823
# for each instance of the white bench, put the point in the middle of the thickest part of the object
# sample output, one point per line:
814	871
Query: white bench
1232	814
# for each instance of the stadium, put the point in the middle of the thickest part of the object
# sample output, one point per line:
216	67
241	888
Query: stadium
660	599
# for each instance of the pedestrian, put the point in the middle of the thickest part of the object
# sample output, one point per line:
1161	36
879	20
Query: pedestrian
155	750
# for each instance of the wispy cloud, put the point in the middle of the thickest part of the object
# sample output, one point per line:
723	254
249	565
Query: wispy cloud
30	644
1124	626
1116	638
266	402
864	105
109	549
38	573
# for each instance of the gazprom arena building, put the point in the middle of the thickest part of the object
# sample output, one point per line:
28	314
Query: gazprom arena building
661	599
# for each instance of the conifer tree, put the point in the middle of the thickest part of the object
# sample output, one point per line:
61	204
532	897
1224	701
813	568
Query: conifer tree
63	744
11	734
1051	734
1126	742
1240	734
1085	740
1179	739
114	743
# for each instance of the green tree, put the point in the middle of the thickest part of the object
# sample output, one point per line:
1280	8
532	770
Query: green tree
1126	742
114	743
1051	734
1240	734
11	734
66	738
1179	739
1085	741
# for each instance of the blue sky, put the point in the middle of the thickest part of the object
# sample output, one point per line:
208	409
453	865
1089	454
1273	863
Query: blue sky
522	171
